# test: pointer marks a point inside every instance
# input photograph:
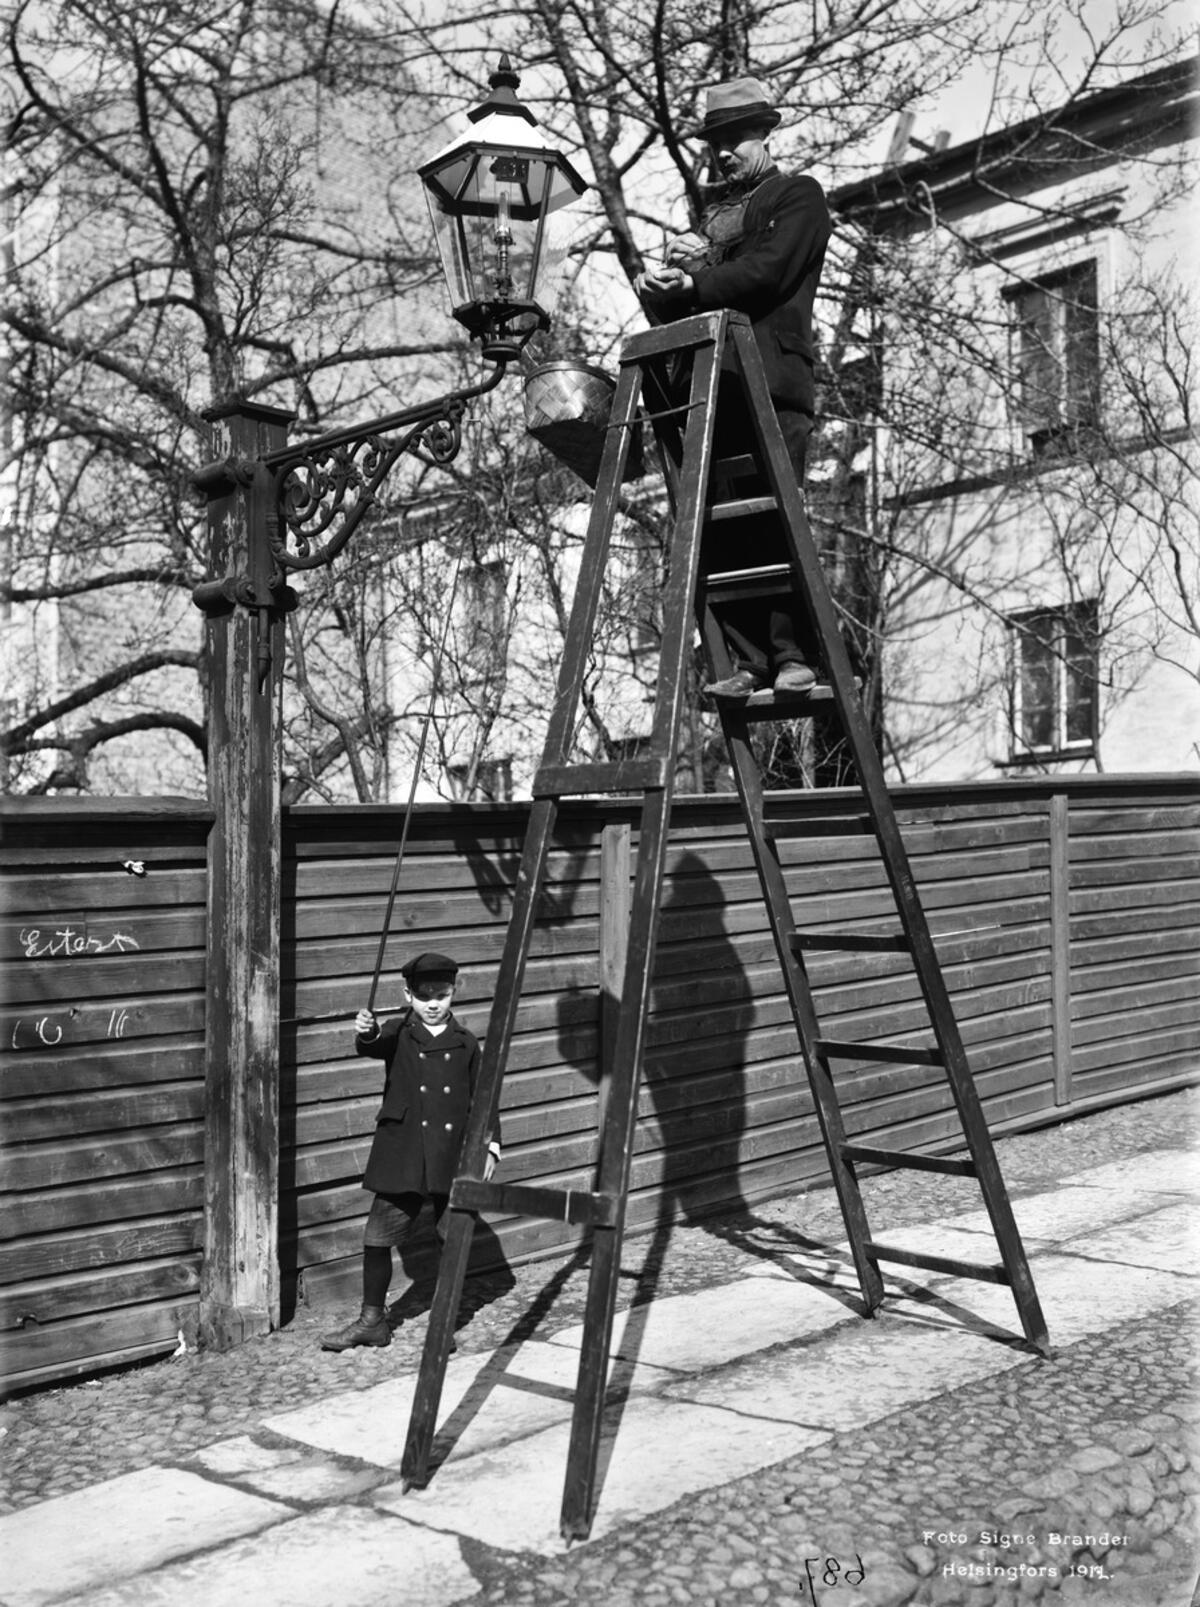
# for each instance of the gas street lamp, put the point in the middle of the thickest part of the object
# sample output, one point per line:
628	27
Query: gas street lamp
497	194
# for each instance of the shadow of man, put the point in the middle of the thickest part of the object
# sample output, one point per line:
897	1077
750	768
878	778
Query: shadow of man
695	1061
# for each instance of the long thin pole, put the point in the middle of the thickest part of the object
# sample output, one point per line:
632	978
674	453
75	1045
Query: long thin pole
416	776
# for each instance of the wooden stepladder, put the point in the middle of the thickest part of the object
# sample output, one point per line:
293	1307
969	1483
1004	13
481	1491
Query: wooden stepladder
698	484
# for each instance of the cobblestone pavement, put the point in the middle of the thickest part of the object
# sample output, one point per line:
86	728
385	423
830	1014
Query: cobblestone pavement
1084	1464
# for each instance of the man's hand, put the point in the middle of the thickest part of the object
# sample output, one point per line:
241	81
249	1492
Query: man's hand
663	284
366	1025
685	248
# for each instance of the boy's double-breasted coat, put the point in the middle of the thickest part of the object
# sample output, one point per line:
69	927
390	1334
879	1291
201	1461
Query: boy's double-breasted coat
426	1097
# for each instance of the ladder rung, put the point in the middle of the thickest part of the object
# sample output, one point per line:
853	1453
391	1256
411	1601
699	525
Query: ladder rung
734	468
917	1163
623	775
878	1051
864	941
740	581
938	1263
556	1205
742	508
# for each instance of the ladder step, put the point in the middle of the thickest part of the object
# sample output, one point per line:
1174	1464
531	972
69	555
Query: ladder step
733	468
878	1051
519	1199
938	1263
623	775
727	585
742	508
767	705
917	1163
858	941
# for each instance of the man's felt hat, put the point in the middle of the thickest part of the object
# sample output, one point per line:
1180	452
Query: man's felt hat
737	101
429	965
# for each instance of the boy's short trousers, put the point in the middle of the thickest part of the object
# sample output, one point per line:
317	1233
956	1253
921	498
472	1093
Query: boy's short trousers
393	1217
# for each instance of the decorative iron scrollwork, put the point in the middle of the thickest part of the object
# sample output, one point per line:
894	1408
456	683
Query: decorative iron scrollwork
326	486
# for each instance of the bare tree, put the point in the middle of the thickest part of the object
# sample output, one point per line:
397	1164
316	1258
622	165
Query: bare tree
206	202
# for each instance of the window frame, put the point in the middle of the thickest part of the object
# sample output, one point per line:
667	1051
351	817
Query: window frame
1074	624
1077	405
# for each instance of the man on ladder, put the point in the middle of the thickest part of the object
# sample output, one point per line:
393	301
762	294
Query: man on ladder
759	250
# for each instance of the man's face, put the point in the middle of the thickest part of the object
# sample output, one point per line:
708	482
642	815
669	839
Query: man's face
741	153
431	999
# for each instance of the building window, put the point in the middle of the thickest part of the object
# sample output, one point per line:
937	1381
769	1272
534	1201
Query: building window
1055	676
1057	351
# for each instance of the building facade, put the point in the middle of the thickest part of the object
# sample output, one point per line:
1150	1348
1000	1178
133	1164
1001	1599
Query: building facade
1010	447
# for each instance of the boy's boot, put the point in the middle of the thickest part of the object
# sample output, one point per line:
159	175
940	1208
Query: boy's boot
370	1327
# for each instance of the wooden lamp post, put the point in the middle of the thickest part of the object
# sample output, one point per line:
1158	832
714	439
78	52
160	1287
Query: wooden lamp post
495	194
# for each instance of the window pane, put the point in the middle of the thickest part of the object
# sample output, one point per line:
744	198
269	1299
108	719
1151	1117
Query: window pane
1080	681
1038	677
1082	347
1040	374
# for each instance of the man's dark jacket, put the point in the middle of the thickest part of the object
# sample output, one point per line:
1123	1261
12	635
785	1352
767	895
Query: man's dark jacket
426	1097
771	275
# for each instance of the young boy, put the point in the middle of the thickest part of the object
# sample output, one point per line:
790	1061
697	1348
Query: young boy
432	1062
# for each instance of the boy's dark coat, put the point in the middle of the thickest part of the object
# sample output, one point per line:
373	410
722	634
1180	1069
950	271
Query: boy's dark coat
426	1097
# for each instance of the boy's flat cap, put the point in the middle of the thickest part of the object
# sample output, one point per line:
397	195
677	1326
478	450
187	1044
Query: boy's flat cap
430	964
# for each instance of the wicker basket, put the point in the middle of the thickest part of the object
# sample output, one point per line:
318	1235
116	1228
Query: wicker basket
567	409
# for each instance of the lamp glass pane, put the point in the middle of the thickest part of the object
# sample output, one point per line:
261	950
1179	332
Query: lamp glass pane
487	206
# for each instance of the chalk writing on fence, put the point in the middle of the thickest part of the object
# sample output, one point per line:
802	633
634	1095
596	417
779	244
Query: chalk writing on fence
45	1031
65	941
74	1025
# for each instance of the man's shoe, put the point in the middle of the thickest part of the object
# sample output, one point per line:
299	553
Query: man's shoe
795	678
738	685
370	1327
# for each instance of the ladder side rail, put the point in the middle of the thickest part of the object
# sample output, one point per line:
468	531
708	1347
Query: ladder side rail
485	1102
887	831
560	730
799	990
620	1122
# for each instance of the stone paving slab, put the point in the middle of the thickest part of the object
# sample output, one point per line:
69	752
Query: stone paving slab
487	1400
1167	1171
862	1374
1171	1243
691	1333
288	1472
653	1454
339	1557
1078	1296
121	1529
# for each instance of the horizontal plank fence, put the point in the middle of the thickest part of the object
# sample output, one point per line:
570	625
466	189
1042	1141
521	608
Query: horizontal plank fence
1066	913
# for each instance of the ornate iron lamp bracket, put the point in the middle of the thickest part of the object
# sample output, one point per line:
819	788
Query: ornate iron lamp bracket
322	489
326	486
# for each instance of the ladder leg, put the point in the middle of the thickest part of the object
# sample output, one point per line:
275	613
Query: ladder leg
485	1102
452	1272
616	1152
452	1264
807	567
795	975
